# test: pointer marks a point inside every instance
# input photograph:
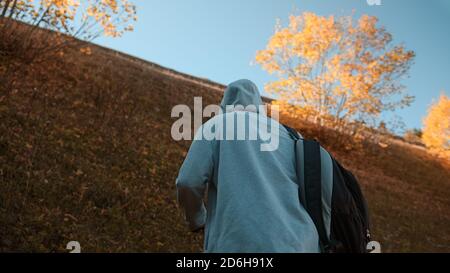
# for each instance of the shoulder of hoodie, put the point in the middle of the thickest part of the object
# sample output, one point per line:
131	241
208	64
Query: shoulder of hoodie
217	119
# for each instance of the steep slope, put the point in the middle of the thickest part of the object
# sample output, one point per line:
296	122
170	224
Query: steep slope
93	161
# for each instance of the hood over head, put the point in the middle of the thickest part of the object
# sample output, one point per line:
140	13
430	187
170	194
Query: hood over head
242	92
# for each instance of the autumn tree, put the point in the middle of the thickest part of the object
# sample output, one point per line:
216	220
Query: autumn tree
83	20
436	131
36	33
335	70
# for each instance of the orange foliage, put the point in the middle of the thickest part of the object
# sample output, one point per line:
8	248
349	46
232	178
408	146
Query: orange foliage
436	133
335	69
83	19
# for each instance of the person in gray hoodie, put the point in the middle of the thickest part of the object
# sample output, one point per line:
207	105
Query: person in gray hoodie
252	202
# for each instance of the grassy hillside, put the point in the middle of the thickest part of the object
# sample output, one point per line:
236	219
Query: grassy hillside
92	160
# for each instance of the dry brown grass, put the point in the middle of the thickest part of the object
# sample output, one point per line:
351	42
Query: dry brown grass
88	156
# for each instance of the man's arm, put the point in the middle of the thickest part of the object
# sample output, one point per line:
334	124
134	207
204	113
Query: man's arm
195	172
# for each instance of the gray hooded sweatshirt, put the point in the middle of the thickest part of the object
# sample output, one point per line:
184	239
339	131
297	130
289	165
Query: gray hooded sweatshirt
252	195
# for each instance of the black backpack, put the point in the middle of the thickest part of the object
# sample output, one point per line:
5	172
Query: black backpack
350	226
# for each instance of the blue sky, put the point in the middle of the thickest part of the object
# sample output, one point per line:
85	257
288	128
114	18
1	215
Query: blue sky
218	39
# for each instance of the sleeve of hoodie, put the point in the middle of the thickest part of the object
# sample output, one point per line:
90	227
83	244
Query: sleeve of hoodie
194	174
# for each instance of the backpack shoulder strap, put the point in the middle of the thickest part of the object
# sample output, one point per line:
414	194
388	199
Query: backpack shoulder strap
292	132
313	185
313	188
